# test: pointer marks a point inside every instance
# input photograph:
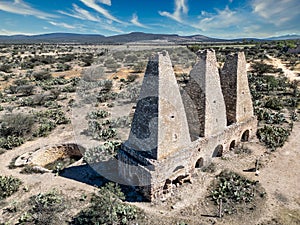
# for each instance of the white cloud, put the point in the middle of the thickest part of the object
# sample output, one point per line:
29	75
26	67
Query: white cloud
21	8
180	8
10	32
92	4
277	12
105	2
135	21
80	13
222	19
64	25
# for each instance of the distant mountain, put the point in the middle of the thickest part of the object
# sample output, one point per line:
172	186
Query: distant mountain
123	38
285	37
100	39
53	38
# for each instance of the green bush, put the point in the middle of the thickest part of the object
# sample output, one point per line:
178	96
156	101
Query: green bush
234	190
99	114
44	129
107	207
8	186
41	76
274	103
102	152
16	125
11	142
45	209
272	136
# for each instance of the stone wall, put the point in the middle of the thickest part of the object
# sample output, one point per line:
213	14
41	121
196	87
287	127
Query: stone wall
160	113
235	89
159	125
206	94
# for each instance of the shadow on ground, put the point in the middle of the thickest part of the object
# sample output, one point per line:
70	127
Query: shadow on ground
89	175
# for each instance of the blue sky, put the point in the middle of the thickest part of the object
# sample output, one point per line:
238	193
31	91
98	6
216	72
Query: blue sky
213	18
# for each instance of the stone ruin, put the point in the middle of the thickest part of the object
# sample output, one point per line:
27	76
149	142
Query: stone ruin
175	131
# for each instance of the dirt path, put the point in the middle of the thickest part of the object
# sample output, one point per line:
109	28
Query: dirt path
291	75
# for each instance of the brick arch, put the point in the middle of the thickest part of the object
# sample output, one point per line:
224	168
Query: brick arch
218	152
245	136
232	145
199	163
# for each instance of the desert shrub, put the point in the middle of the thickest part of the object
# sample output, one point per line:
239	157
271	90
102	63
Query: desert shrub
131	78
44	129
273	103
43	75
107	207
45	209
123	121
130	59
26	89
234	190
102	152
103	97
99	114
16	125
106	86
11	142
270	117
5	68
21	82
261	68
62	67
139	67
131	93
272	136
100	132
8	186
57	116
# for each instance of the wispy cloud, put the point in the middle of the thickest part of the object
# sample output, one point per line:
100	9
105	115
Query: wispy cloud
64	25
10	32
136	22
92	4
277	12
221	19
80	13
22	8
180	8
105	2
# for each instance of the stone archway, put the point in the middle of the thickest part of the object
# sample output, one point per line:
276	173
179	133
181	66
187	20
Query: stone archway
245	136
232	145
218	152
199	163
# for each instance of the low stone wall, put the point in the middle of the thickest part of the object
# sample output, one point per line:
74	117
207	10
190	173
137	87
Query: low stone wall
181	164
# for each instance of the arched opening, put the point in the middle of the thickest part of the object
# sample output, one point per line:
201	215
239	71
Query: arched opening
232	145
245	136
218	152
135	180
199	163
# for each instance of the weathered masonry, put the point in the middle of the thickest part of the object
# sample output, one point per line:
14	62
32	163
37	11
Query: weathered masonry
174	132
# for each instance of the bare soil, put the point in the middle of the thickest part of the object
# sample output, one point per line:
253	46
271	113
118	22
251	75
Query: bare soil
279	176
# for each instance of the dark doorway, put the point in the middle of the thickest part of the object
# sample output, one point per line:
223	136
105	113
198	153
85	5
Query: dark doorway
245	136
232	145
199	163
218	152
